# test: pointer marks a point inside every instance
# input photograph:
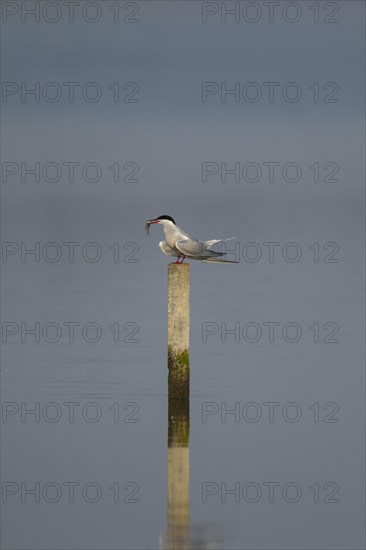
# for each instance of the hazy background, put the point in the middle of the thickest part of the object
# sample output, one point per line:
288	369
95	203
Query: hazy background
169	133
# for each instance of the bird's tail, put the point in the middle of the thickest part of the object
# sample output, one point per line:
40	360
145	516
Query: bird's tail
209	244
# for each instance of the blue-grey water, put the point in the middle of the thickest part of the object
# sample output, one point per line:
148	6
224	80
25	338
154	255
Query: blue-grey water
276	424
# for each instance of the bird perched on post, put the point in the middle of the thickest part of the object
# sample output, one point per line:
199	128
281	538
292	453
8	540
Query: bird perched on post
181	245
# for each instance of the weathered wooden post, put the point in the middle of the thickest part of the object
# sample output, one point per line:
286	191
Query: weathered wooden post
178	330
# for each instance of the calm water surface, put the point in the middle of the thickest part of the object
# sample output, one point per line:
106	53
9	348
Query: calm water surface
273	431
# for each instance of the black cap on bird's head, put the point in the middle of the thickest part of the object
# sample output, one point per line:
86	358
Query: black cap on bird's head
161	218
166	218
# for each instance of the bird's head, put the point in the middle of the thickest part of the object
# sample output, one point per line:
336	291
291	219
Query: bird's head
163	220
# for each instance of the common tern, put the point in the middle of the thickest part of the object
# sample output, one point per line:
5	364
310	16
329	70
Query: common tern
181	245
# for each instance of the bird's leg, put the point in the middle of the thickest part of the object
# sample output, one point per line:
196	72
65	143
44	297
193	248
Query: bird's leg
177	262
183	259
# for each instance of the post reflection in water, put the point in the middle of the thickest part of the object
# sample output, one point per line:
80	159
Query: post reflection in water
180	535
177	535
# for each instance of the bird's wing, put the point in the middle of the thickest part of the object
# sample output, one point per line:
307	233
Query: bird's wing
195	249
209	244
218	261
191	247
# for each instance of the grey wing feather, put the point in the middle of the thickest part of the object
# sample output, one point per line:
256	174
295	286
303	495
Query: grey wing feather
195	249
219	261
190	247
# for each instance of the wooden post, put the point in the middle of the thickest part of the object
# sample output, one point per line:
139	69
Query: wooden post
178	330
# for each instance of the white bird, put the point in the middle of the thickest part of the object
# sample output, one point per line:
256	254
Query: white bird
181	245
